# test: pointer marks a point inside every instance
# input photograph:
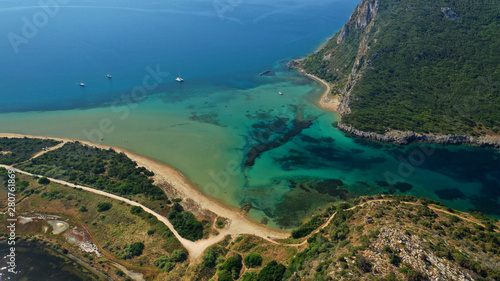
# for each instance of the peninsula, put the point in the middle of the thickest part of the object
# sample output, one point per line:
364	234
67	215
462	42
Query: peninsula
404	71
76	198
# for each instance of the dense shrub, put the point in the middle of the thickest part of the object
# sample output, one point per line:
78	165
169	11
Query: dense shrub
253	260
233	264
104	206
98	168
179	256
17	150
308	227
225	275
363	264
209	258
132	250
395	259
272	272
44	180
136	210
164	263
249	276
186	225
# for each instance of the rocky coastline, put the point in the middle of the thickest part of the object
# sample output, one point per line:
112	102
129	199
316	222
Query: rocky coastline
406	137
395	136
363	19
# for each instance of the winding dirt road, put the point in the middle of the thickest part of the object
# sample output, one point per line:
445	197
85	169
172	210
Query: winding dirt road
238	223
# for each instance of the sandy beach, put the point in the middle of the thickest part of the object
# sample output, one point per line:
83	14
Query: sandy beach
239	223
326	101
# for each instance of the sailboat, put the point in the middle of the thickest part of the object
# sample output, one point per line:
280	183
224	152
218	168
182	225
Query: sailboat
179	79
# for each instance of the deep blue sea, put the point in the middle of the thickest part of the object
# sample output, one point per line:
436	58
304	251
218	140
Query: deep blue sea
82	41
224	109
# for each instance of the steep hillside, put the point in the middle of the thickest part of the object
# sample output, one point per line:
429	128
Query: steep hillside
383	238
399	239
422	66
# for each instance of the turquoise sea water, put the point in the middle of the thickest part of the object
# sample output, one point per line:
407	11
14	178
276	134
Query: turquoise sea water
226	128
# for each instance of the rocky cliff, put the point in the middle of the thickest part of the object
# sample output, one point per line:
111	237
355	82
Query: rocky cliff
401	105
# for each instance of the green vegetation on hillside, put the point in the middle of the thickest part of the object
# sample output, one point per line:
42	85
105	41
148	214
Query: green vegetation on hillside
253	260
186	225
272	272
364	243
230	270
98	168
158	227
16	150
104	206
430	66
120	234
132	250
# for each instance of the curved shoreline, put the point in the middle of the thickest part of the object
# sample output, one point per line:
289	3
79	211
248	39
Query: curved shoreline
240	223
394	136
326	102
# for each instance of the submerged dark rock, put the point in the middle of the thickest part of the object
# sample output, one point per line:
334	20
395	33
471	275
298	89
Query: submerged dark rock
257	150
450	194
267	73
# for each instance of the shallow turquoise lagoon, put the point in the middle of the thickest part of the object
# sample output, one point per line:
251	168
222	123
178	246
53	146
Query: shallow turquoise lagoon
226	127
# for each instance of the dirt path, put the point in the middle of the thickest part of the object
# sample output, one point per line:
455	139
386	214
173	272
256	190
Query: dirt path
328	222
460	216
195	248
186	243
475	221
45	151
238	223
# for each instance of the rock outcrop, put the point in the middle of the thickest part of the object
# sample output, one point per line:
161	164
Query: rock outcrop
415	253
406	137
362	19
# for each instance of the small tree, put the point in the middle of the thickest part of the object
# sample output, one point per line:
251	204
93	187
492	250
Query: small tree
209	258
179	256
272	272
249	276
136	248
104	206
83	209
253	260
233	263
44	180
164	263
225	275
135	210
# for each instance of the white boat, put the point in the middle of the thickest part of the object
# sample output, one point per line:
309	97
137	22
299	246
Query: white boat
281	93
109	76
179	79
81	84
